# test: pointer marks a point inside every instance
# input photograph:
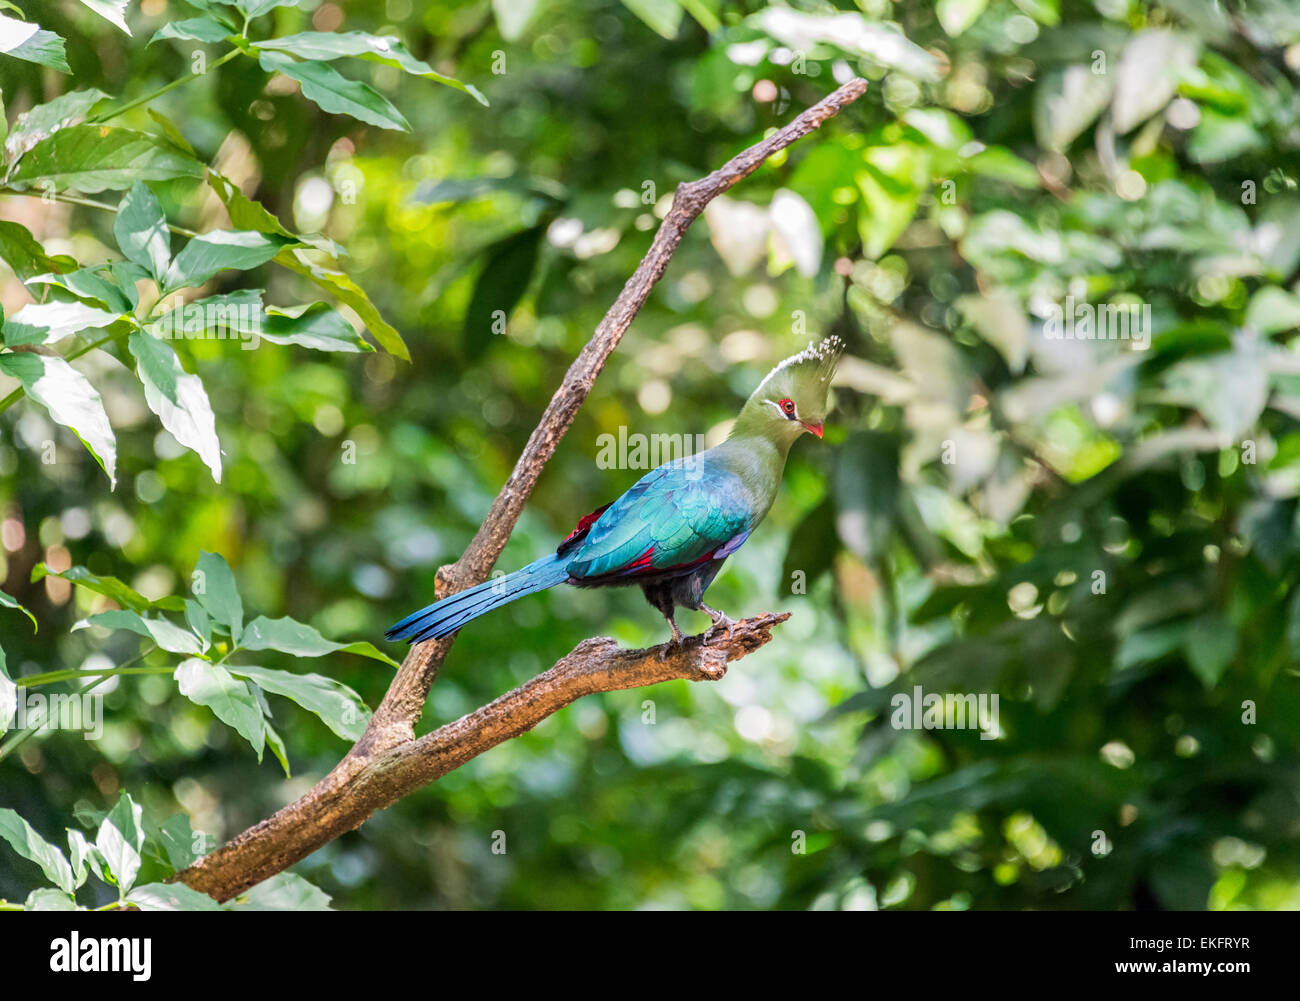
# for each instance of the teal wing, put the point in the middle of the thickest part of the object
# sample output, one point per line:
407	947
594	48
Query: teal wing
673	517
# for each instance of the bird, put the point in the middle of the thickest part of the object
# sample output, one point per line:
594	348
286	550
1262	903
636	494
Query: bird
673	529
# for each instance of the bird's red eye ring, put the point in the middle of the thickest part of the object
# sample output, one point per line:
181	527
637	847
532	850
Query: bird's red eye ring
787	407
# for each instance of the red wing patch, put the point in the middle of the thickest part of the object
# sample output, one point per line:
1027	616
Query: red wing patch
641	561
584	524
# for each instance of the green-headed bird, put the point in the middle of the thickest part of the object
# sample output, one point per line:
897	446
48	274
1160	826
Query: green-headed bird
670	533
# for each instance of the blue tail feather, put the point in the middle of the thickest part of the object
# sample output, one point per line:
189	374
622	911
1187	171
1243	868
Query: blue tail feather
446	616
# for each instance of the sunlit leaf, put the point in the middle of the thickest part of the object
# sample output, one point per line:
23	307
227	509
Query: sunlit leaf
336	94
70	400
229	699
31	43
383	49
31	846
178	398
120	841
215	590
93	158
141	231
337	705
300	639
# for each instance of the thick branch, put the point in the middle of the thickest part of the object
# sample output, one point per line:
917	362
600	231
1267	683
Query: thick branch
358	787
388	762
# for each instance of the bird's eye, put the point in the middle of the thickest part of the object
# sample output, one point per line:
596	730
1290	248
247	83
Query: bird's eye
787	407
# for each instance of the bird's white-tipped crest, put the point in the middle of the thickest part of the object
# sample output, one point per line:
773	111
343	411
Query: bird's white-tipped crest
820	358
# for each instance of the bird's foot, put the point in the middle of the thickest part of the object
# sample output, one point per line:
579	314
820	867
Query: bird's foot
673	644
720	621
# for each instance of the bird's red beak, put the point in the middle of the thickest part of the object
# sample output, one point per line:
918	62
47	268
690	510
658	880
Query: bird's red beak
814	428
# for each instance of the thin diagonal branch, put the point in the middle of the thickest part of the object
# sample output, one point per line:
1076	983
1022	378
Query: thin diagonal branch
388	761
397	715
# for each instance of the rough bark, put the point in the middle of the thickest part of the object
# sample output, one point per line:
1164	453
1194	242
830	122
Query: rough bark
389	761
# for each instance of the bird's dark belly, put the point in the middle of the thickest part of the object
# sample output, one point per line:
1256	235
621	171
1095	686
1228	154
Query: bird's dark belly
668	577
685	589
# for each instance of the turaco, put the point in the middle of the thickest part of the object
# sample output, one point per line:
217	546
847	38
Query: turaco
670	533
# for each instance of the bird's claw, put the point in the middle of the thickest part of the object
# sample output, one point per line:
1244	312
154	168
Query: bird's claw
674	644
721	621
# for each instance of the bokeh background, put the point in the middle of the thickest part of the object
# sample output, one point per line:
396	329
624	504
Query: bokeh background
975	479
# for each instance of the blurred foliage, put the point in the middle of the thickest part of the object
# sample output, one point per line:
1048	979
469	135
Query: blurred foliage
1102	532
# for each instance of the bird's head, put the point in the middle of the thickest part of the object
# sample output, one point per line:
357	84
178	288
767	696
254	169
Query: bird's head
795	396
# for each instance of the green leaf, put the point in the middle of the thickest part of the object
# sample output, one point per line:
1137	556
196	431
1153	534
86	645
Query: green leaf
811	550
229	699
46	119
276	743
165	633
338	706
31	846
282	892
1001	164
178	398
47	898
1210	648
30	43
215	590
244	212
172	133
24	253
94	158
336	94
1148	74
316	325
198	620
1273	310
343	288
386	50
83	855
170	897
1230	389
113	11
301	640
866	488
120	841
195	29
501	284
71	401
248	214
1220	137
47	322
1067	101
256	8
661	16
175	839
8	696
109	587
217	10
892	182
883	43
956	16
141	231
221	250
512	17
94	283
6	601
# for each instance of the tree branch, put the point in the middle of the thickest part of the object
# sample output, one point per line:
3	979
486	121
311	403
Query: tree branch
388	761
360	785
